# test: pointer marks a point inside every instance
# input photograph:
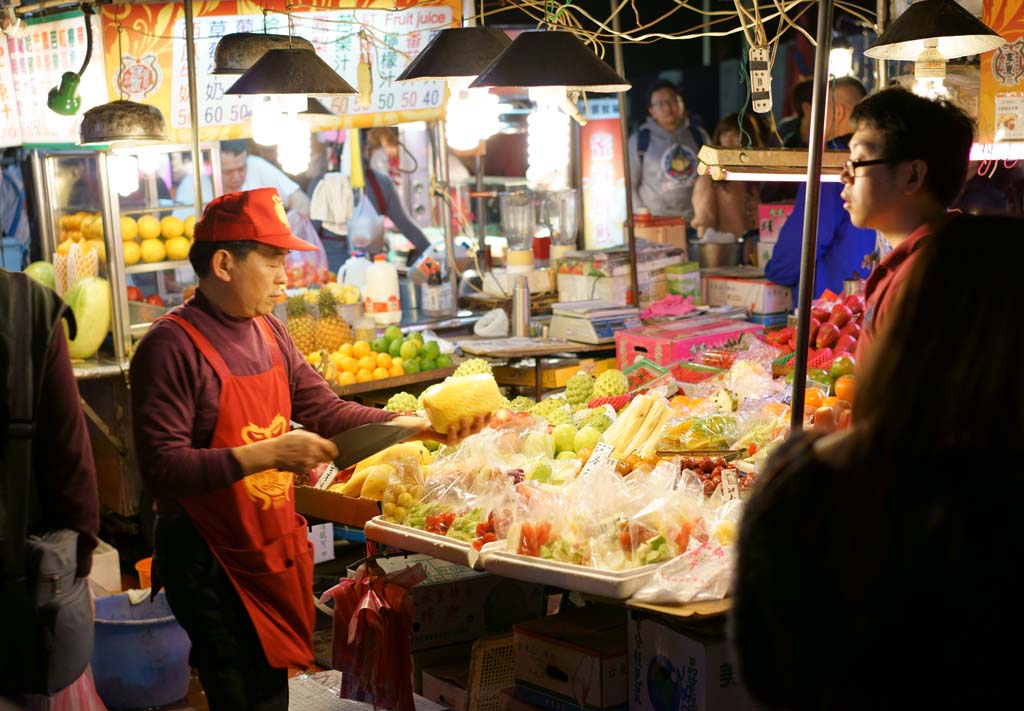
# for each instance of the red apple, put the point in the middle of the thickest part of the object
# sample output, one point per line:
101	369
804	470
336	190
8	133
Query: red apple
851	328
155	300
820	312
135	294
828	335
855	302
841	315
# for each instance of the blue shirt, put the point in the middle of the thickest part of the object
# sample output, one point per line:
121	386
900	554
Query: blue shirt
841	246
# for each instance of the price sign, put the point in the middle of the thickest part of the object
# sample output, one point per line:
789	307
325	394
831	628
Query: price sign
10	125
321	536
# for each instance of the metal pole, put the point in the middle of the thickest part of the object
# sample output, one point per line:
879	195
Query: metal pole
481	218
881	65
810	243
446	211
193	109
634	284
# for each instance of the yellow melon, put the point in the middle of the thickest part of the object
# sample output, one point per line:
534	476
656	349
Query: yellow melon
171	227
177	247
153	250
190	226
129	229
149	227
132	252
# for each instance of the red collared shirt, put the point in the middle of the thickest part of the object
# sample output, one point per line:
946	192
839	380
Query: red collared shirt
884	285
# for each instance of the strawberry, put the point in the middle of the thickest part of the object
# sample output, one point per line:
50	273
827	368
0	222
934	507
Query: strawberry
821	358
616	401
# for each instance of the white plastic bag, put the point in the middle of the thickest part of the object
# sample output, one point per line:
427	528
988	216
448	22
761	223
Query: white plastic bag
366	228
703	573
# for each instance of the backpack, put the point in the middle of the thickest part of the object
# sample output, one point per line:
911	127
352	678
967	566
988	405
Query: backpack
45	610
643	142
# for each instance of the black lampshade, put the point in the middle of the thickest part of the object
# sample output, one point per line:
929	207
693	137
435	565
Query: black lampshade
291	71
553	58
959	33
237	52
124	122
457	52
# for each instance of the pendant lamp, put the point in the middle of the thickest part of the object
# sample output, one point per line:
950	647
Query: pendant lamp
553	58
64	99
941	25
291	71
237	52
124	123
457	52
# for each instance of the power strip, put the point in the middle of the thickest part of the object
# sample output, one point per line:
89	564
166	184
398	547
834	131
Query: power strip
760	80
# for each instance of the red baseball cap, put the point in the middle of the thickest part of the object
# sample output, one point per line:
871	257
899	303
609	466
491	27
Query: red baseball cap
258	215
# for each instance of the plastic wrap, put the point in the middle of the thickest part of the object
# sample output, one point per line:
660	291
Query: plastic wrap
305	268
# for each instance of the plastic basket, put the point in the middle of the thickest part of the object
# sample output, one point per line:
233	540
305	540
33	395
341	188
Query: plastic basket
490	670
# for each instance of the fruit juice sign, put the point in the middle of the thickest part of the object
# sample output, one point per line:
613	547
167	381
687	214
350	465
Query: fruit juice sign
36	59
604	185
152	66
1002	74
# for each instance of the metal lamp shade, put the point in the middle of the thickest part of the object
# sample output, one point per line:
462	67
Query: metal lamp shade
959	33
457	52
237	52
291	71
550	59
122	122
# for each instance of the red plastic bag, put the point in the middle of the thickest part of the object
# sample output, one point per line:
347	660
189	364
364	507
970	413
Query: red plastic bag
305	268
372	624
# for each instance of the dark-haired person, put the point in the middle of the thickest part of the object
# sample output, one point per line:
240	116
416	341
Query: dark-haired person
240	171
878	551
663	155
908	163
215	387
842	246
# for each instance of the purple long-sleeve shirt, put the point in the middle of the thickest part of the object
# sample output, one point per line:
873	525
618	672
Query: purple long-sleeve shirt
176	399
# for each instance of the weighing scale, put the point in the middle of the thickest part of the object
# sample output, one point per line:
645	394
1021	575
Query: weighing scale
592	322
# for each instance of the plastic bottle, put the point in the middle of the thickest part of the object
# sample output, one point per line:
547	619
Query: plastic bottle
354	270
380	296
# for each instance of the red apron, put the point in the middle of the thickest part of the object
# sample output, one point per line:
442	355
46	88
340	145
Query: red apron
251	526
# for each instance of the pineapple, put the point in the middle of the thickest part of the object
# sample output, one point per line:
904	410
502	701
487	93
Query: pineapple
331	329
300	325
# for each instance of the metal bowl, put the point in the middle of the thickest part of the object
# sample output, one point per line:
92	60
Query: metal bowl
719	254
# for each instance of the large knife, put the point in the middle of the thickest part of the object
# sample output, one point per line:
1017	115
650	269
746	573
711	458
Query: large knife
358	443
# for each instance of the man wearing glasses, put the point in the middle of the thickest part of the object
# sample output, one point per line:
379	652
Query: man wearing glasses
663	155
908	163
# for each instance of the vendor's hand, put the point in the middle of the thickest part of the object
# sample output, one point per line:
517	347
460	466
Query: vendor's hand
467	426
297	451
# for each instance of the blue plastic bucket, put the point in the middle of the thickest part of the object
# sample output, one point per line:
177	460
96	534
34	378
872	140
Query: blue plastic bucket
140	655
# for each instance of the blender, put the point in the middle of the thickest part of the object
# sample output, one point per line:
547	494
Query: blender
518	220
557	212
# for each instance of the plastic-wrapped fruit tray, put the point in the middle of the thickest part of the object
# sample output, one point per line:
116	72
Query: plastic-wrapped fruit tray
615	585
413	539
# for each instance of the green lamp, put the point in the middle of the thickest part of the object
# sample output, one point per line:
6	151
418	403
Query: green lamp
64	99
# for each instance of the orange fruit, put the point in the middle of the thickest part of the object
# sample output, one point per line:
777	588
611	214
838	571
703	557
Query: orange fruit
346	349
367	362
383	360
349	364
149	227
171	227
361	348
845	387
813	398
380	373
346	378
396	371
830	401
364	376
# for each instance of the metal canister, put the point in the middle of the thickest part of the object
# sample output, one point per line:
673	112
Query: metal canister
521	307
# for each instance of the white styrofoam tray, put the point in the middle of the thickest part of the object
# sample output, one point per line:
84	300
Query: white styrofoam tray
616	585
413	539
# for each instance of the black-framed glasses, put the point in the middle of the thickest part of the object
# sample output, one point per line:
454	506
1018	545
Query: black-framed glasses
851	165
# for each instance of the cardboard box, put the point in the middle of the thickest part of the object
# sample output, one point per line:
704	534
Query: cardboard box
424	659
457	604
770	219
574	660
765	250
615	290
769	320
684	280
447	685
332	506
551	377
758	296
508	701
665	230
679	340
672	667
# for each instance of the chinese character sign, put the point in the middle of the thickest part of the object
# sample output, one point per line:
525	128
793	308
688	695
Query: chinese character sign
1002	73
604	186
10	126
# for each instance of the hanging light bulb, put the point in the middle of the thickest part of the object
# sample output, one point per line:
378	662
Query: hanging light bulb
149	160
471	114
124	173
547	140
840	58
265	117
930	72
294	148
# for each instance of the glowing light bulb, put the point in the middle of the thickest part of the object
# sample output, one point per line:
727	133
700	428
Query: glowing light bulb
265	121
149	160
471	115
294	147
547	141
124	174
930	72
840	61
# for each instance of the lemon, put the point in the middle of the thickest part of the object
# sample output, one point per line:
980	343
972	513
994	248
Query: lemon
177	248
101	249
129	230
171	227
190	226
149	227
132	252
153	250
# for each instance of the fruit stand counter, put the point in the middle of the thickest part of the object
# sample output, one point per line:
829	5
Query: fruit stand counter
401	381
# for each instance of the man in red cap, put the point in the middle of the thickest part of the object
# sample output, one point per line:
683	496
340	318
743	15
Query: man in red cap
216	384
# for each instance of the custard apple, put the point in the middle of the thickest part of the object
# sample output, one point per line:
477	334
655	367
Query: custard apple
472	367
402	402
579	388
521	404
554	410
599	421
611	382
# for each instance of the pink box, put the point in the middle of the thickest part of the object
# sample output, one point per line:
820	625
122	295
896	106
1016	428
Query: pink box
771	218
667	343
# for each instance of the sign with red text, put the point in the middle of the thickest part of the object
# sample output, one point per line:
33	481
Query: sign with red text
604	184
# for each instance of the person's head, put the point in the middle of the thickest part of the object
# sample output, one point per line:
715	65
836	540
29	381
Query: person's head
800	97
665	104
727	131
847	92
385	137
239	251
233	156
922	148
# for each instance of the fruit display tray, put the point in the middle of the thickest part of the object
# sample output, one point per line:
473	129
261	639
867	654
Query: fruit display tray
614	585
412	539
401	381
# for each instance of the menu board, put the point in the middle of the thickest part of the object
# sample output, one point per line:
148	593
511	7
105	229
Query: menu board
604	185
10	125
151	65
1002	74
38	56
